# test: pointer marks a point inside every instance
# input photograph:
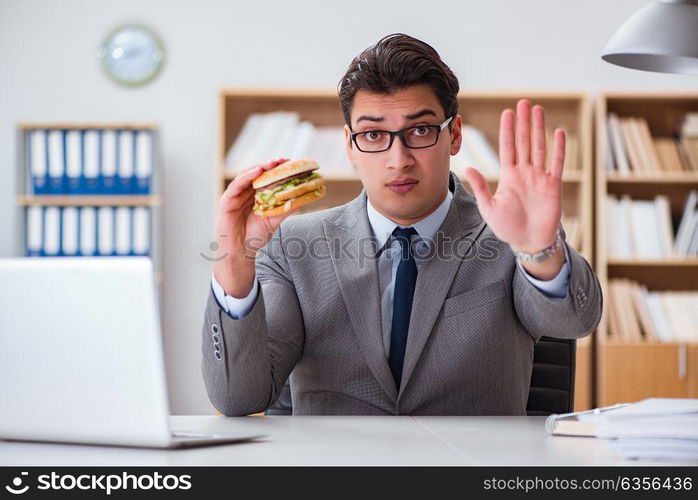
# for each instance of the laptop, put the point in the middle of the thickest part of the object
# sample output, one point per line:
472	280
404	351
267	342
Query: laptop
81	358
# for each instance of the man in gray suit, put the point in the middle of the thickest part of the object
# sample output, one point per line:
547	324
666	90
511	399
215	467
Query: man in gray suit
415	298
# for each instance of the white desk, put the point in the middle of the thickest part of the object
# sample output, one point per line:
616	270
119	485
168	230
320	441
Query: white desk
343	441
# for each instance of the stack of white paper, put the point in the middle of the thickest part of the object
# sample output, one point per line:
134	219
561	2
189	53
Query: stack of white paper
652	429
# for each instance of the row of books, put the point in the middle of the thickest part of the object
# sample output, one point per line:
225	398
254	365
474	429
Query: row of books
283	134
632	150
477	152
638	315
89	161
643	228
87	231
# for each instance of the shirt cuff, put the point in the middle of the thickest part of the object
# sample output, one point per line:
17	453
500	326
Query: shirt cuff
234	307
555	288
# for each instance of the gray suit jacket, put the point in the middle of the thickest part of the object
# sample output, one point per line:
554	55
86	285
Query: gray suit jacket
475	319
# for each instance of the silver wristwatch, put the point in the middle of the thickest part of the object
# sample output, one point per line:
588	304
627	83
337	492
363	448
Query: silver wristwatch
543	254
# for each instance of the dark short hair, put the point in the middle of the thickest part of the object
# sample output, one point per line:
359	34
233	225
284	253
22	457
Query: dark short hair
393	63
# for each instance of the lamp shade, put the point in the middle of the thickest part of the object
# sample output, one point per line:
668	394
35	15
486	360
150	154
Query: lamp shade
662	37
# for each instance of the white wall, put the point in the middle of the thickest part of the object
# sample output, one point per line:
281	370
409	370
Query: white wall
48	72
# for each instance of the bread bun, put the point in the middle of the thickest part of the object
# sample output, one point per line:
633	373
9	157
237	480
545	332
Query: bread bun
284	170
303	199
288	194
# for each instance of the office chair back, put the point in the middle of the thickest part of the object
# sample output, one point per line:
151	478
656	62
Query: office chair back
552	380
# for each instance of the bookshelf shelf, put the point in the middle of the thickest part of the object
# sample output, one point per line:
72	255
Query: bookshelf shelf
647	344
97	201
655	277
570	177
570	110
663	178
627	369
87	126
686	262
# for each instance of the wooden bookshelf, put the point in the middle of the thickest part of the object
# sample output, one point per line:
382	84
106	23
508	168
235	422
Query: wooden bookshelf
480	109
664	178
25	199
632	371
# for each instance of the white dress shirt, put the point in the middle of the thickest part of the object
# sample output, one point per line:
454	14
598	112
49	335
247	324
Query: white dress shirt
388	262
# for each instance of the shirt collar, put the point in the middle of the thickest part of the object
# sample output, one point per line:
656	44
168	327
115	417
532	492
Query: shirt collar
426	228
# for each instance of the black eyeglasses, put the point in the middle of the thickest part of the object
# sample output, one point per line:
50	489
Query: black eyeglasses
417	137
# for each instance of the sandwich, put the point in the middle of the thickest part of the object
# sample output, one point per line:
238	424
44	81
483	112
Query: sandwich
289	185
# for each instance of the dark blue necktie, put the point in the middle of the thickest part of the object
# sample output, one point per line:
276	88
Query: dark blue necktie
403	291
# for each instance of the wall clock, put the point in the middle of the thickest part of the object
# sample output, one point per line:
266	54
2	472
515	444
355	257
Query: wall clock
132	55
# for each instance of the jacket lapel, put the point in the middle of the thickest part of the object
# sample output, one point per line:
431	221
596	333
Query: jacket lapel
353	251
453	241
